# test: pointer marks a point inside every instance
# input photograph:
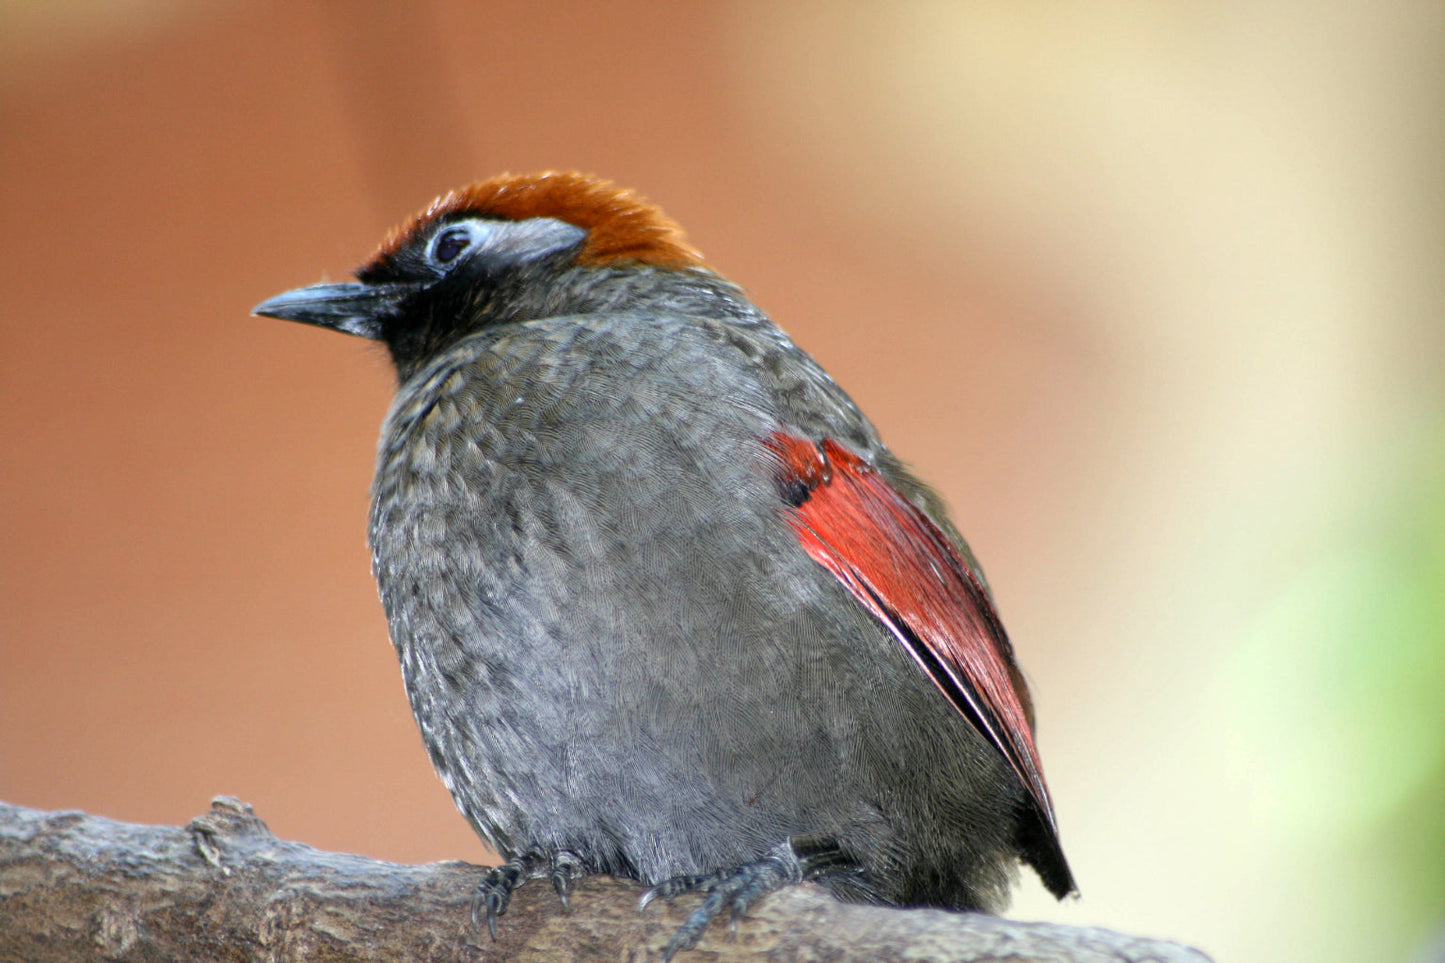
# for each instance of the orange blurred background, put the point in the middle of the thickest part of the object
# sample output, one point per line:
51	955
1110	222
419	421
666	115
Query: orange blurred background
1152	292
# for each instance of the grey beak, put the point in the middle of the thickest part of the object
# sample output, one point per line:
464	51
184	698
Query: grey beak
352	308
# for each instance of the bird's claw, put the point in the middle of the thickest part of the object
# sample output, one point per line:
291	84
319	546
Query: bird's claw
737	889
564	867
669	888
494	892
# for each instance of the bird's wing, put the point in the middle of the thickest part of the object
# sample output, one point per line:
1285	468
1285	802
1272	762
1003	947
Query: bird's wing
897	562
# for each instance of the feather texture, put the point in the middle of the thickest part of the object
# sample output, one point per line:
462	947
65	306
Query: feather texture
900	566
621	225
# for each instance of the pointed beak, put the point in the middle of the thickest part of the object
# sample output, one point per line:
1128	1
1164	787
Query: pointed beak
352	308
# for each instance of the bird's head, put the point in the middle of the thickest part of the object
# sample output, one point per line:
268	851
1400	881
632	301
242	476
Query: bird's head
505	249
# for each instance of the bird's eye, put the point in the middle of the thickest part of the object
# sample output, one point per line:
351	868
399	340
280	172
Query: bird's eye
451	243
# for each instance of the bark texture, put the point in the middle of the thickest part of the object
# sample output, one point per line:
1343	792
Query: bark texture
80	887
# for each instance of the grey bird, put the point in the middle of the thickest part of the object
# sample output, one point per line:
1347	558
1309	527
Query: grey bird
666	606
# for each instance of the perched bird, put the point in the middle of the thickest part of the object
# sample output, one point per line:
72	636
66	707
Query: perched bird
666	606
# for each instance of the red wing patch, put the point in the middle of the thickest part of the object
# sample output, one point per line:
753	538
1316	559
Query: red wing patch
895	561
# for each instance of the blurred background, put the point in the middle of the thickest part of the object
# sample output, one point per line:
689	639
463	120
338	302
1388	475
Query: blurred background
1151	291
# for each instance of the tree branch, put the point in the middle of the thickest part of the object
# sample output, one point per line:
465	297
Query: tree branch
74	886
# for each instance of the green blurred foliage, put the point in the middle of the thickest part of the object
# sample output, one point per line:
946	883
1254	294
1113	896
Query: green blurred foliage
1334	706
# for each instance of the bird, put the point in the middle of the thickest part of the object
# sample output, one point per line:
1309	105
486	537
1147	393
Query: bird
666	606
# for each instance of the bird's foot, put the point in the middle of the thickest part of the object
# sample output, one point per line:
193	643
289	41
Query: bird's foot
496	888
794	861
563	867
